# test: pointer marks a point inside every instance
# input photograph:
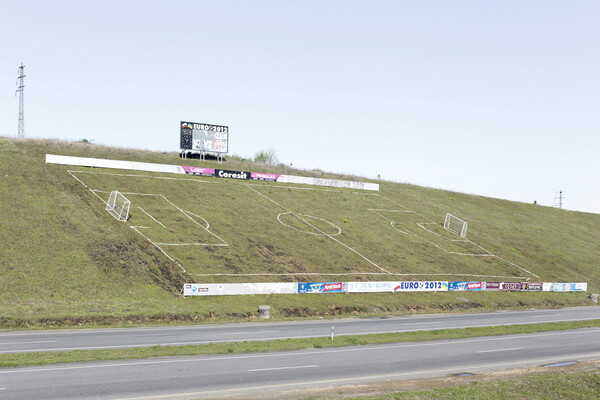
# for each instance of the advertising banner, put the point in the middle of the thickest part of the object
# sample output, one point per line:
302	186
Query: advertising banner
225	173
328	182
533	286
114	164
421	286
221	173
371	287
264	177
230	289
199	136
462	286
511	286
199	171
323	287
492	285
564	287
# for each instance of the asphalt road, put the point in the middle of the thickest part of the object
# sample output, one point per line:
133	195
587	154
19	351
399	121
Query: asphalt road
90	339
260	373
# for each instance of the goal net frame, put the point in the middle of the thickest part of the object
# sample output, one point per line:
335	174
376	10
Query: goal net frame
455	225
118	206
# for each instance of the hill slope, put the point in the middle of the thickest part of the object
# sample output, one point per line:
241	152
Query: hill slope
64	256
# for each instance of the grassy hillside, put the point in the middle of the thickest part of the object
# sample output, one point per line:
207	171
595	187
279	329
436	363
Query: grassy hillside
65	260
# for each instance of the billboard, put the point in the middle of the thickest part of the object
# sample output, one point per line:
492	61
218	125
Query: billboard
564	287
462	286
322	287
232	289
202	137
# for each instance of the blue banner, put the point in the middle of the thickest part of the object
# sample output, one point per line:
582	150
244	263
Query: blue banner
462	286
322	287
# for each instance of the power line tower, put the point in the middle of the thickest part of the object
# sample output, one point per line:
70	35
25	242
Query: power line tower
558	200
21	91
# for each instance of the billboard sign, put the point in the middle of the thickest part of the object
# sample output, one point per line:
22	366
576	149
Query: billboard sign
204	137
564	287
533	286
511	286
462	286
231	289
421	286
323	287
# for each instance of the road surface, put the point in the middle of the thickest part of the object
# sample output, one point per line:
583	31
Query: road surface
261	373
92	339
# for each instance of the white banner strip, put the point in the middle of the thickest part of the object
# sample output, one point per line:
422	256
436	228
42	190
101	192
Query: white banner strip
229	289
328	182
400	286
564	287
116	164
175	169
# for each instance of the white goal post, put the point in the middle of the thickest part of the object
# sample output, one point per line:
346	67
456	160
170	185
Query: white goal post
118	206
455	225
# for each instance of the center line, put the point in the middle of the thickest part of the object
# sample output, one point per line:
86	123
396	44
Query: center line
491	351
280	368
246	333
39	341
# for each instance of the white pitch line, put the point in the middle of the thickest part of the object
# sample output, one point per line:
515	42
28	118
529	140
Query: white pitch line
155	220
194	244
363	273
282	368
317	229
141	176
157	246
487	252
497	350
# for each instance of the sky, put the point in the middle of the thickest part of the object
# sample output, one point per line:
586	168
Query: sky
494	98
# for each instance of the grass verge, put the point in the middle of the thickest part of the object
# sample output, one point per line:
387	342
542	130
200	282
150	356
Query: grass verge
22	359
550	385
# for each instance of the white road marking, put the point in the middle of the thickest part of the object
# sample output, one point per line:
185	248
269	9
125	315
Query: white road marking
544	316
282	368
497	350
277	337
248	332
364	378
38	341
305	352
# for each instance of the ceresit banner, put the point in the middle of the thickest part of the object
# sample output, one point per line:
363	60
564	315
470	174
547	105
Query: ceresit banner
322	287
564	287
421	286
230	289
462	286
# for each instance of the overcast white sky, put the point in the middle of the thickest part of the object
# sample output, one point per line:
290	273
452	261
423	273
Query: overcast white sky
497	98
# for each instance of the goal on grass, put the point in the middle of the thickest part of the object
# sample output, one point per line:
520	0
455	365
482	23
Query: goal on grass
455	225
118	206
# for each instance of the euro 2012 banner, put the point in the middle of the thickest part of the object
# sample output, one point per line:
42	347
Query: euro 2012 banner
398	286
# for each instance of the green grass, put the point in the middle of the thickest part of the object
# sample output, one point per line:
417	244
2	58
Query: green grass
21	359
64	261
551	385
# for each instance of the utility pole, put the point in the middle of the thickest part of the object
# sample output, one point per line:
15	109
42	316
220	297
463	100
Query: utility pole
21	91
560	198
